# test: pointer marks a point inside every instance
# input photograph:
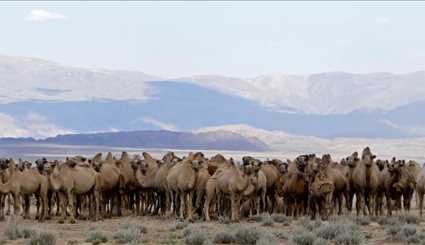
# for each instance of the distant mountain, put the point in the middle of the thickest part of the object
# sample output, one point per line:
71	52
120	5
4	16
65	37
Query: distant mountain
41	98
23	79
154	139
323	93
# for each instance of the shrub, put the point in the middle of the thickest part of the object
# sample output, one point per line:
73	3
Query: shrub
389	221
321	241
196	238
179	225
131	235
223	220
266	240
280	218
281	235
310	224
330	231
28	233
246	236
349	238
410	219
402	233
97	237
13	232
362	220
303	237
223	237
256	218
267	221
43	238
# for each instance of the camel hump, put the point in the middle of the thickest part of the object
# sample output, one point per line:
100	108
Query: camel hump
98	157
124	156
109	157
147	156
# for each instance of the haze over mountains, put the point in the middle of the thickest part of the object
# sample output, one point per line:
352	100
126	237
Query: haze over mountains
40	98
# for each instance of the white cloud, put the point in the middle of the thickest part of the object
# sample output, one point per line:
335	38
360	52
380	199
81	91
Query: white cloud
382	20
41	15
30	125
161	125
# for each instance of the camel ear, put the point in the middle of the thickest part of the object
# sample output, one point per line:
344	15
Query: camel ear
373	157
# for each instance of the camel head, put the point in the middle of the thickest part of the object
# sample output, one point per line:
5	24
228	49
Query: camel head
71	162
40	163
301	162
381	164
5	163
218	158
135	162
367	157
353	160
169	157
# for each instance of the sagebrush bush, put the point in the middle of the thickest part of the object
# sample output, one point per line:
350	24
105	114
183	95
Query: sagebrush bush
179	225
97	237
256	218
44	238
321	241
267	221
28	233
362	220
131	235
196	238
402	232
280	218
303	237
349	238
266	239
224	237
246	236
281	235
390	221
13	232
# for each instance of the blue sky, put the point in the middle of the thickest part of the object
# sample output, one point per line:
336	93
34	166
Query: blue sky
242	39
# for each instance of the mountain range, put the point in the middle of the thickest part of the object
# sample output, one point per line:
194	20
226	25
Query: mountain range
40	99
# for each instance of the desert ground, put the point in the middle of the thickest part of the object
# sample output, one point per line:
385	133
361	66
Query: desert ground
262	229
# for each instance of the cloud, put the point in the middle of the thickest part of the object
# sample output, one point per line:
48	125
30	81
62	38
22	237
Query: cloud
41	15
159	124
382	20
30	125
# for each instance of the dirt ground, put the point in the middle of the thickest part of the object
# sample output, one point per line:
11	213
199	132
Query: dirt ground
163	231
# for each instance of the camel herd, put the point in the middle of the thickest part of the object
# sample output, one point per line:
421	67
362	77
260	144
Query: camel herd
195	186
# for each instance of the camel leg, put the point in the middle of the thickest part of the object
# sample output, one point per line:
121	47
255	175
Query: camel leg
182	204
233	207
189	203
71	204
420	196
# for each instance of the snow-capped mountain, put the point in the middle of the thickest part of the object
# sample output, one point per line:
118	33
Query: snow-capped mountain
24	79
324	93
40	98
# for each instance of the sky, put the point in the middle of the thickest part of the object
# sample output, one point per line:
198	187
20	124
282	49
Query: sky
240	39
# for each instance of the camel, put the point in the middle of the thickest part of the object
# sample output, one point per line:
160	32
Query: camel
26	182
70	180
321	191
339	180
109	184
420	189
231	181
295	189
365	181
128	184
181	180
